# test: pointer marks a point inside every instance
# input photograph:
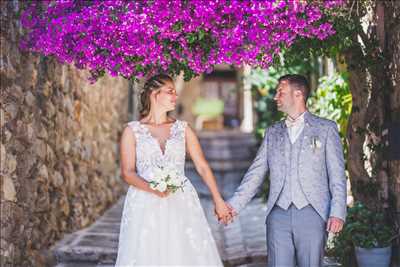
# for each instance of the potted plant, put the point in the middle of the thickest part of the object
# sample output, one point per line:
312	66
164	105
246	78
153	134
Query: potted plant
367	235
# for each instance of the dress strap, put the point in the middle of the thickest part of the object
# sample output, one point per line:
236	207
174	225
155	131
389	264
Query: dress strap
136	128
179	129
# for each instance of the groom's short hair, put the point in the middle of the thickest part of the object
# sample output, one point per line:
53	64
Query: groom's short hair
299	82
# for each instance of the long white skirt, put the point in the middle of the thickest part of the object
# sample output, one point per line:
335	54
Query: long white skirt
171	231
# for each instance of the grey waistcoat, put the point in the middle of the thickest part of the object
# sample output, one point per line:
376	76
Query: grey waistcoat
292	191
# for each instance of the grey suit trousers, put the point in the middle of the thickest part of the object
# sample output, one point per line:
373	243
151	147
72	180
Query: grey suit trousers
295	236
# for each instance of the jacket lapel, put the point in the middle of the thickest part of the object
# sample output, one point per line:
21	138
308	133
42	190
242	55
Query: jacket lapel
283	138
308	130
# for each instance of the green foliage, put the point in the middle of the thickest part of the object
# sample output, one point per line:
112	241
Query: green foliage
263	85
350	38
332	100
346	25
364	228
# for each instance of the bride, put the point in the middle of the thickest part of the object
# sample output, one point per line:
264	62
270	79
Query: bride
159	226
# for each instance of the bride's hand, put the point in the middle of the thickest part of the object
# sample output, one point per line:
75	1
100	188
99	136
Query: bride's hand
161	194
223	212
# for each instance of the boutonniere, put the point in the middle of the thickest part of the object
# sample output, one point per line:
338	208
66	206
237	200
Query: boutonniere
315	143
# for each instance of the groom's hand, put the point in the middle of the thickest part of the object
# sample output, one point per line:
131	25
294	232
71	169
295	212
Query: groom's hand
230	216
225	220
334	225
232	210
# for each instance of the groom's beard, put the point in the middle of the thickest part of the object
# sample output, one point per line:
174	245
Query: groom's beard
281	109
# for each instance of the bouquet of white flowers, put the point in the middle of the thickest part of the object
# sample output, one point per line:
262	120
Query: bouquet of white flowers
167	177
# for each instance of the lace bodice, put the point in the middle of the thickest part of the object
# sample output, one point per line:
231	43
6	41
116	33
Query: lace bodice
149	153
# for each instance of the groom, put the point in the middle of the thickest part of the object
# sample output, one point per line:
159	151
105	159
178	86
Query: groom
307	196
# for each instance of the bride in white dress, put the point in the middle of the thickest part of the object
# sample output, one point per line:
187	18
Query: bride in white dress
164	228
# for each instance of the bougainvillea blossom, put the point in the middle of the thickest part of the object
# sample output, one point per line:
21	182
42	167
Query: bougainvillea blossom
137	38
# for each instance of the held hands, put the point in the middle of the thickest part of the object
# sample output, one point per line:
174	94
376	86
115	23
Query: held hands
224	212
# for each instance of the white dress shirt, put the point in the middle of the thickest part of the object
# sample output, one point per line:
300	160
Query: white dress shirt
295	127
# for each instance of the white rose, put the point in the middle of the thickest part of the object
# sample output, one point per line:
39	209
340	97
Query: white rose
162	186
175	181
153	186
165	173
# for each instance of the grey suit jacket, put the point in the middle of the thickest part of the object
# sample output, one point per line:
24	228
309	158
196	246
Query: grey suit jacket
321	168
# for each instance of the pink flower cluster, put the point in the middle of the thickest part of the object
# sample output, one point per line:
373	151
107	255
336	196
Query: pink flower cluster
137	38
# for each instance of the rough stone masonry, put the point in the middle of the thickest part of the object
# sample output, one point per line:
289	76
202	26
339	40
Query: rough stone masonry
59	147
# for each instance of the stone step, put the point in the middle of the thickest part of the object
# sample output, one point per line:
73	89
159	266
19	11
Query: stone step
228	142
226	139
242	152
229	154
223	165
228	150
96	244
227	181
223	134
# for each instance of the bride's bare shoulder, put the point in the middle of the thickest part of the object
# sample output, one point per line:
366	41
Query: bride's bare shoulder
129	129
132	125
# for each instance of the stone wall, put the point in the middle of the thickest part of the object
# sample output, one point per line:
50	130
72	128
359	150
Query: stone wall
59	147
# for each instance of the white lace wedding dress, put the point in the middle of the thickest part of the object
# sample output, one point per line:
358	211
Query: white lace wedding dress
171	231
